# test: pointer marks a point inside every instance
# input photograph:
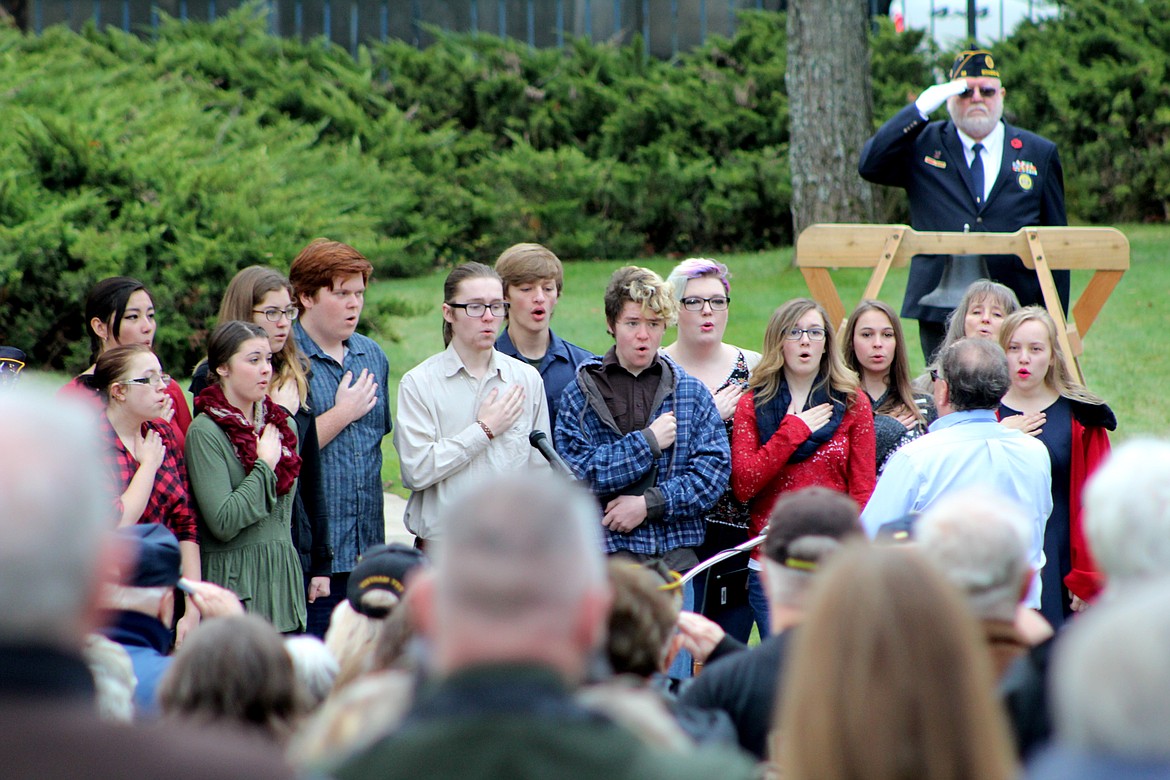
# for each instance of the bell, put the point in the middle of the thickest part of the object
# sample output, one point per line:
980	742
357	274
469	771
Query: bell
958	274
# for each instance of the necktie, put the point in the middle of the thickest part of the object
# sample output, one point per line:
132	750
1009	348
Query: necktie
977	172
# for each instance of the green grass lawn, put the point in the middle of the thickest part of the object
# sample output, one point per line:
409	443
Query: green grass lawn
1125	357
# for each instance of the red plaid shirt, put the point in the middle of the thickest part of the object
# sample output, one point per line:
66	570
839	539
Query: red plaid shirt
170	501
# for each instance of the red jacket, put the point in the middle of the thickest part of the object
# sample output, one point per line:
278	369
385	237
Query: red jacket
759	475
1090	446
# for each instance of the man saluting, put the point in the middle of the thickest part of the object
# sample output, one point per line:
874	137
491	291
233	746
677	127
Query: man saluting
973	173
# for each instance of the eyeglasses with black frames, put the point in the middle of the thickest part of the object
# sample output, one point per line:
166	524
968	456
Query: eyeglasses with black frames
497	308
695	303
986	92
274	314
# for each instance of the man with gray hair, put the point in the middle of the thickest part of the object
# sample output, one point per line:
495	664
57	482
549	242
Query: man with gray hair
56	512
980	543
514	612
805	528
1110	675
966	447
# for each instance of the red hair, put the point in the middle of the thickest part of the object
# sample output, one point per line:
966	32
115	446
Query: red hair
322	262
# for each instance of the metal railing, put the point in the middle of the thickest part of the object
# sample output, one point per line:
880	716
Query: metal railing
668	26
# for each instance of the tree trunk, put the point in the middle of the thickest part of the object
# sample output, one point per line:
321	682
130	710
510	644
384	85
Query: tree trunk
831	108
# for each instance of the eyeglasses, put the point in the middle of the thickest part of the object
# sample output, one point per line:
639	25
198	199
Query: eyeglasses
498	308
274	314
814	334
987	92
695	303
934	375
157	381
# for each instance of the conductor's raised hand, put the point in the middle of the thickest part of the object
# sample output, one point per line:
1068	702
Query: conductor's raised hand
933	97
664	428
356	397
500	411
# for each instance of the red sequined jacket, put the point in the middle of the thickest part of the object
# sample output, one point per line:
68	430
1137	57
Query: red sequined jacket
760	474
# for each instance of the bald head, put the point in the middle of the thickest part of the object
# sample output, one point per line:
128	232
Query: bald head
56	504
976	374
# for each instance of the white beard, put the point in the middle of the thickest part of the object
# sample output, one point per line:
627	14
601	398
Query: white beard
976	125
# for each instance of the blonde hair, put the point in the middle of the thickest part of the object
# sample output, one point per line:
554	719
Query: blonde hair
1058	377
641	286
766	378
889	679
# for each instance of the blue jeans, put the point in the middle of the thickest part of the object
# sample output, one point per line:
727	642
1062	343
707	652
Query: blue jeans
759	603
681	668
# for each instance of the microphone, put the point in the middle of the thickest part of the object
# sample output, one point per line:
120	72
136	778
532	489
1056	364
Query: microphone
539	440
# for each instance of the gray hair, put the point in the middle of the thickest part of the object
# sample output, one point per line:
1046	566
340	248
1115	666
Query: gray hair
517	547
1110	675
980	543
1127	512
315	667
976	373
56	504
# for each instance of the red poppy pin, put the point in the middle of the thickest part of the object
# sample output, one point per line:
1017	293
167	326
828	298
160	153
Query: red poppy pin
1017	143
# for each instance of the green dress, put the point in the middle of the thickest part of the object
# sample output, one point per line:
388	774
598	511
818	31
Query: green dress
244	528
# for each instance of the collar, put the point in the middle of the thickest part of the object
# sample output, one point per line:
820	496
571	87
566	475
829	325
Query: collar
962	418
451	364
556	347
312	349
992	144
43	672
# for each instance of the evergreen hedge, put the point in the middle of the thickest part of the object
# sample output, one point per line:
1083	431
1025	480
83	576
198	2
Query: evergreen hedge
182	158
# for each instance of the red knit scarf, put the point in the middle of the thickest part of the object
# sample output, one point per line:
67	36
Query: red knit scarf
242	433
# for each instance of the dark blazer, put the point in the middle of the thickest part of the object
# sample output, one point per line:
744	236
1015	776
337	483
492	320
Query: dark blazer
926	159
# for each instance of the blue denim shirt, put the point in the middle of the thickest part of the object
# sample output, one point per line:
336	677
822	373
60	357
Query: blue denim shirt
557	368
351	464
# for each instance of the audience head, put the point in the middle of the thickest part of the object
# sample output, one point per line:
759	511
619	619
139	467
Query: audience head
519	576
472	283
980	543
315	669
1127	513
56	506
799	343
981	313
972	374
147	583
642	620
1110	673
119	310
233	672
12	362
806	528
889	678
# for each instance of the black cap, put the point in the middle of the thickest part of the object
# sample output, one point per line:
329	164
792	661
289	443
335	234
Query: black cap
157	560
809	523
383	567
974	63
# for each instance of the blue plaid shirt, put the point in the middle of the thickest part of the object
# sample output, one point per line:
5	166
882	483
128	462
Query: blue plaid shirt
351	464
692	473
